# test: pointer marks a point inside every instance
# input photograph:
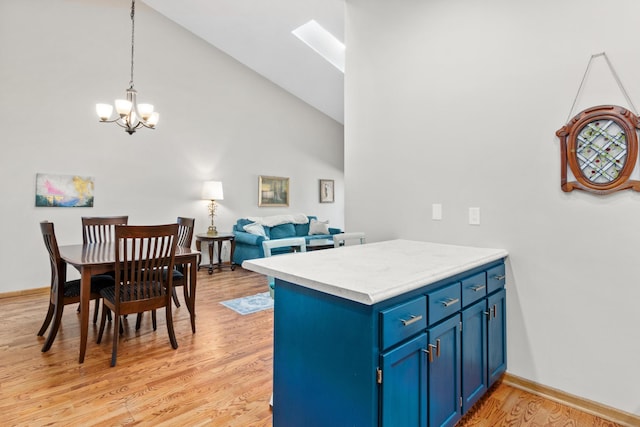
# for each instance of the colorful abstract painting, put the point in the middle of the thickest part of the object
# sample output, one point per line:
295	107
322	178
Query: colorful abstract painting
64	191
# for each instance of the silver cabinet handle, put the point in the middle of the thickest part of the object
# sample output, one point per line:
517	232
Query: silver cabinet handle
413	319
449	302
478	288
499	277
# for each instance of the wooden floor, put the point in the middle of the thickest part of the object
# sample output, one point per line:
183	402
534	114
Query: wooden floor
220	376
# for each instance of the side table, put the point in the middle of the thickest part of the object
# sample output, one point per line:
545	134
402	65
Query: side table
211	239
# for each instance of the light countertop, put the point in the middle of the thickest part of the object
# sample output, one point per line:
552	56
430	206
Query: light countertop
374	272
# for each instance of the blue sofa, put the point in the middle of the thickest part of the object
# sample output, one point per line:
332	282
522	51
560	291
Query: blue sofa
249	246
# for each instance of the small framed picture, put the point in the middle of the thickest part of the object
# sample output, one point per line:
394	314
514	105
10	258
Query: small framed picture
273	191
326	191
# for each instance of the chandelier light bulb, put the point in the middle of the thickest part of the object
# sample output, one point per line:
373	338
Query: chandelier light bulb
104	111
145	111
123	107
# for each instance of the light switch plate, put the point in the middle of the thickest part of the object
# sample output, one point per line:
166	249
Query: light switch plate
474	216
436	211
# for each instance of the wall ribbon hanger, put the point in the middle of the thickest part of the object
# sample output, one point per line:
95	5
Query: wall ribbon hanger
600	144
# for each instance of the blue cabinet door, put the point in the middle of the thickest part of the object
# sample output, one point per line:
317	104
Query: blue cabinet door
444	373
404	385
474	354
497	335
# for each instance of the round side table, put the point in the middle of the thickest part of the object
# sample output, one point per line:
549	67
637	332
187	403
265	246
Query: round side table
211	239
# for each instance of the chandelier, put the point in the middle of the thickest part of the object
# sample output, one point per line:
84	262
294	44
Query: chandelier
131	115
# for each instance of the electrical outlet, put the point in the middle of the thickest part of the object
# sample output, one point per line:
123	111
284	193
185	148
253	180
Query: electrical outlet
436	211
474	216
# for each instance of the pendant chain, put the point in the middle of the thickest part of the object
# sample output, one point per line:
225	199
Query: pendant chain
133	24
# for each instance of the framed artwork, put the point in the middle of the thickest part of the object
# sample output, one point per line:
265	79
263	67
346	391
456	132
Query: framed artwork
599	147
273	191
64	191
327	191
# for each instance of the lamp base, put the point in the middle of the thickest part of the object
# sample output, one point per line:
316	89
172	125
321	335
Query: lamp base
211	231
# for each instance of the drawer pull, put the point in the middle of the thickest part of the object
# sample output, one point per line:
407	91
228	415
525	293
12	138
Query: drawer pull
477	288
499	277
449	302
433	348
413	319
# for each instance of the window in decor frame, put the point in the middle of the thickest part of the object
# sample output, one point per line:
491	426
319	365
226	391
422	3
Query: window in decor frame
273	191
600	146
327	191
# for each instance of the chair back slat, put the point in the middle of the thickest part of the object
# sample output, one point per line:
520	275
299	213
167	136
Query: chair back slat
58	270
101	229
143	256
185	231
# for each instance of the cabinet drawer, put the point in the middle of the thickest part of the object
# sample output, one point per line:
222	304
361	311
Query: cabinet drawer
495	278
474	288
443	302
402	321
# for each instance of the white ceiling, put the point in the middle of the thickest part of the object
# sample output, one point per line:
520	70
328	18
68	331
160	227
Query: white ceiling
257	33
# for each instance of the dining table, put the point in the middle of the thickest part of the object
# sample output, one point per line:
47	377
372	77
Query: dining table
99	258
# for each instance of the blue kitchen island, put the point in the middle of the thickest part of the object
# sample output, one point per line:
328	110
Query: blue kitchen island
396	333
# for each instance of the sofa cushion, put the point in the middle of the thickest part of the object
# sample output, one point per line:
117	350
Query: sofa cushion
256	229
302	229
241	223
282	231
318	227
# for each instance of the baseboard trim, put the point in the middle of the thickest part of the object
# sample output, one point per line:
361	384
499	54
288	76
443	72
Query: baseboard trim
586	405
35	291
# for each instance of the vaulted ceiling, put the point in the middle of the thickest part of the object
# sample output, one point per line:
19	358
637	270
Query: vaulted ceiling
257	33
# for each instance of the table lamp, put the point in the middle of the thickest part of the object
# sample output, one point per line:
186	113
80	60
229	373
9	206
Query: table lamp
212	190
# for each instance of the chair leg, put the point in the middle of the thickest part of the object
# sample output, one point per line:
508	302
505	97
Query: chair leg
95	311
172	335
138	320
153	319
103	320
116	337
57	319
175	298
187	301
47	320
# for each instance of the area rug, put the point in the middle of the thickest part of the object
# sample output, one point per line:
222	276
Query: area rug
250	304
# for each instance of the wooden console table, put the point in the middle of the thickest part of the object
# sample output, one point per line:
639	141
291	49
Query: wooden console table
211	239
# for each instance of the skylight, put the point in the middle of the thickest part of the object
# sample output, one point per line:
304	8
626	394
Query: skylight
323	42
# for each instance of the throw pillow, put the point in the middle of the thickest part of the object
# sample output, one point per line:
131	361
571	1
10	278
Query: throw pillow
255	228
318	227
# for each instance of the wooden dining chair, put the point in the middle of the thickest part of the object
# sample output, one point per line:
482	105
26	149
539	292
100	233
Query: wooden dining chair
63	292
185	237
143	254
99	229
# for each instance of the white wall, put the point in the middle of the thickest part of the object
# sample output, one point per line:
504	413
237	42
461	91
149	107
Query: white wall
457	102
219	120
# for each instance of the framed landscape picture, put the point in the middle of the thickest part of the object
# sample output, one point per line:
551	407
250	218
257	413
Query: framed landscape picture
53	190
327	191
273	191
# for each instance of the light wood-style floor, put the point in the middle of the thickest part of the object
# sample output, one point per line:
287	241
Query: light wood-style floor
220	376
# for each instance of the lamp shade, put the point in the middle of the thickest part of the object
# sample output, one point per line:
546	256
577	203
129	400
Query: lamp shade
212	190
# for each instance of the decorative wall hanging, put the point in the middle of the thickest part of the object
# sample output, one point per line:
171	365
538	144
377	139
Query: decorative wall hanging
64	191
273	191
326	191
600	145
